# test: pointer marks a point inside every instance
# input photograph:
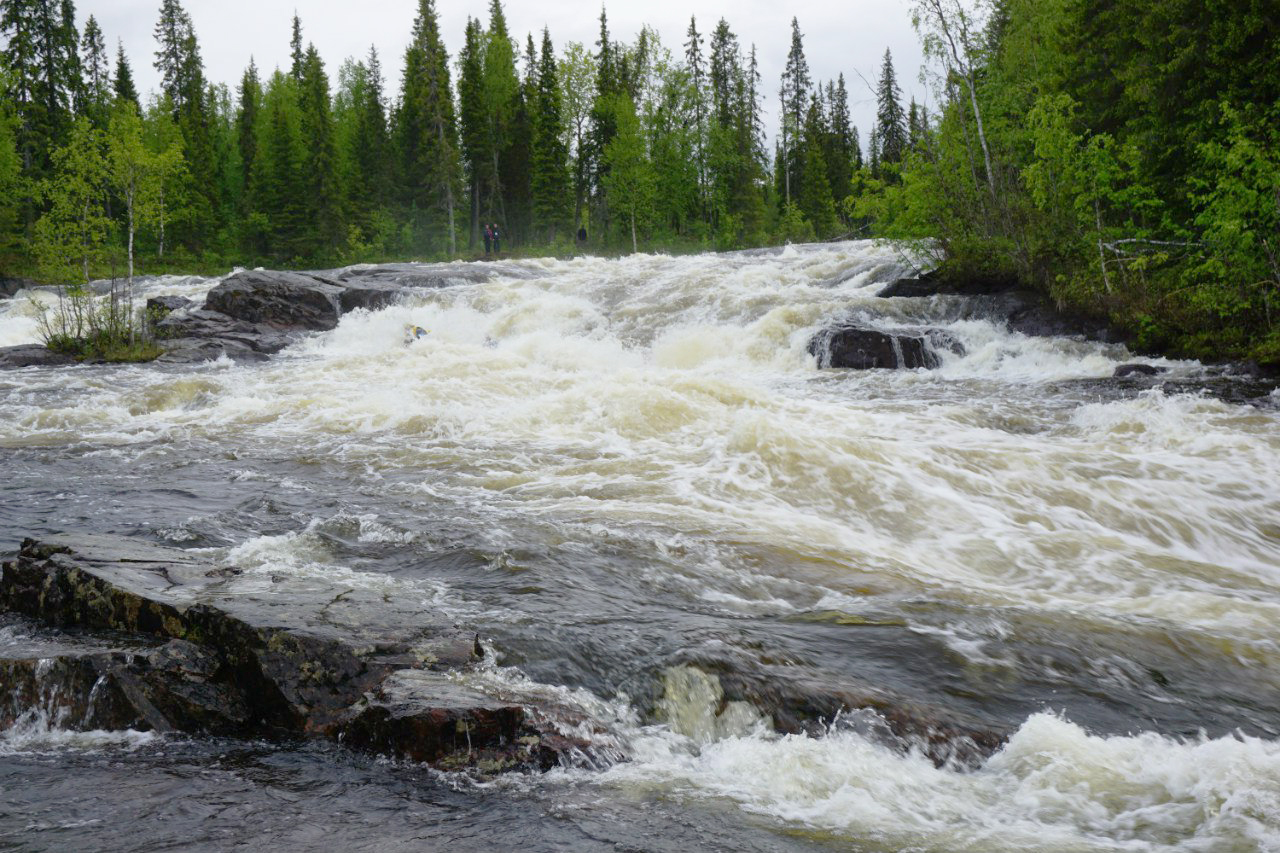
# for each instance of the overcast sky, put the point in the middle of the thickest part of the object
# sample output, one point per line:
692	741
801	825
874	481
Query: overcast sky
848	36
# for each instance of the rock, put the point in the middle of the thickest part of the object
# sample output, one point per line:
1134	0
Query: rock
369	295
804	704
210	651
425	276
32	355
289	300
1137	369
455	727
207	325
863	349
10	286
196	350
934	283
1002	298
159	307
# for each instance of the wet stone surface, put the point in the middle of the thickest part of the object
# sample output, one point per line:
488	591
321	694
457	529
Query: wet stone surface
207	653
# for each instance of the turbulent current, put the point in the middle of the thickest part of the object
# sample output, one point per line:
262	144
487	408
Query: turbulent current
634	480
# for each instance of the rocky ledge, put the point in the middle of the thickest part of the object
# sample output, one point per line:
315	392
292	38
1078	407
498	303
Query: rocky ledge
860	348
253	314
153	638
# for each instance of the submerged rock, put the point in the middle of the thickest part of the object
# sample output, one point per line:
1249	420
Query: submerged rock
208	651
860	348
32	355
1137	369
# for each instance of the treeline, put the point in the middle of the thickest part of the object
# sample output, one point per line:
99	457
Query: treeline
631	143
1122	155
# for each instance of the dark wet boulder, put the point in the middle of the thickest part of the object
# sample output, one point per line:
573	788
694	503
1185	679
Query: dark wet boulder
291	300
936	282
155	638
189	336
32	355
1003	299
860	348
1137	369
10	286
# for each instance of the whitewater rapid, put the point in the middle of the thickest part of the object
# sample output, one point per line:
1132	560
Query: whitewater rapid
658	424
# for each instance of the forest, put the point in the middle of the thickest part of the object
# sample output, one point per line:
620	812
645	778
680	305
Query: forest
1122	157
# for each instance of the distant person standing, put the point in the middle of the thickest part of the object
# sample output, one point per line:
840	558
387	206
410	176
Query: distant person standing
497	239
582	239
488	240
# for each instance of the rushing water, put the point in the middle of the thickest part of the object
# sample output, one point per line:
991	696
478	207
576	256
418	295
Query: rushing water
634	480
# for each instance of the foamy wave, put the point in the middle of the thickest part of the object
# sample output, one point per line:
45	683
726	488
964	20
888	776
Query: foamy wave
34	733
1054	787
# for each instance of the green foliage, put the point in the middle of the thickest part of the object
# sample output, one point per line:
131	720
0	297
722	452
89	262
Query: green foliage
629	182
1119	156
71	237
430	166
550	185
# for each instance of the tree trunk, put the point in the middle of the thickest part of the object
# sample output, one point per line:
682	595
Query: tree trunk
633	231
129	203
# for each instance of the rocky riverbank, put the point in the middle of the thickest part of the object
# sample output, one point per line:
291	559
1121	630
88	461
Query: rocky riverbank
154	638
253	314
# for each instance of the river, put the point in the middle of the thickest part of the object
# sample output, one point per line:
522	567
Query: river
631	477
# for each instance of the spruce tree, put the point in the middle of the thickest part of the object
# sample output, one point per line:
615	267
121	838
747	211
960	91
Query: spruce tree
839	154
697	79
42	83
473	117
96	68
793	97
891	125
279	186
184	89
427	134
610	82
124	87
323	197
501	94
550	177
296	53
171	32
247	133
372	146
815	200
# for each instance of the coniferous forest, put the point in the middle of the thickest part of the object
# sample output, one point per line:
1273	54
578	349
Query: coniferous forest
1123	157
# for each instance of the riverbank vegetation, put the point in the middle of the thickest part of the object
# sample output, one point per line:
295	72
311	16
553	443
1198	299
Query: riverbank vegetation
1123	157
1120	157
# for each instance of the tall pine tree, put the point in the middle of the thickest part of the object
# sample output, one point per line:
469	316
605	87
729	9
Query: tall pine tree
427	132
891	123
550	179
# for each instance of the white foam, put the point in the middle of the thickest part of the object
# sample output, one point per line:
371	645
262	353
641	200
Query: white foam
33	733
1053	787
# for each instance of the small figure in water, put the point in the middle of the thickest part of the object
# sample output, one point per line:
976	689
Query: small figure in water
488	240
413	333
497	245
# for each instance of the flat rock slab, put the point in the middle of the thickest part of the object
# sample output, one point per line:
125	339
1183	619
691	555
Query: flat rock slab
424	276
214	649
32	355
